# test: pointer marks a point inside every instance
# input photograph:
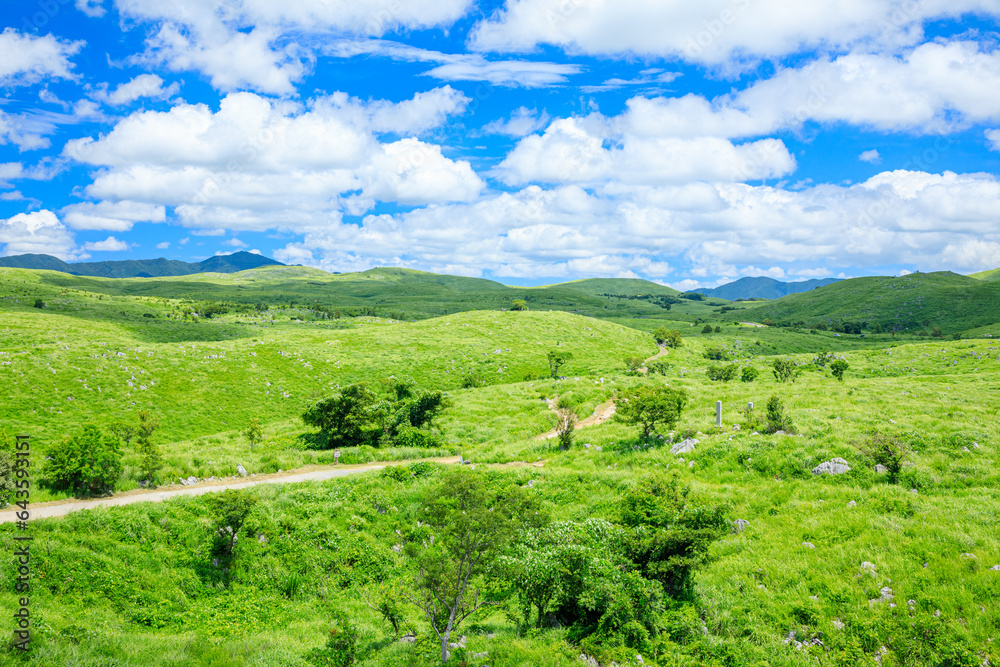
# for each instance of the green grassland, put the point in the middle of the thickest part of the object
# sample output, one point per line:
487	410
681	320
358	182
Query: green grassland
134	585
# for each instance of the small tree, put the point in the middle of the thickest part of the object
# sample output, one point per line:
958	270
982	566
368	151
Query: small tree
667	337
344	417
231	509
388	601
777	418
519	304
567	424
472	524
124	430
632	365
557	359
707	329
723	372
838	368
649	407
784	370
749	374
889	451
39	303
718	329
150	456
88	463
341	648
253	432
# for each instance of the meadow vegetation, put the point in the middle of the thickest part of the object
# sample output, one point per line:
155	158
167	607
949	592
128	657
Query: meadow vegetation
601	542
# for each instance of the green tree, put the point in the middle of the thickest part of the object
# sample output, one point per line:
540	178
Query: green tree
253	432
472	524
777	418
632	365
388	600
889	451
649	407
519	304
124	430
88	462
341	649
39	303
344	417
667	337
838	368
557	359
707	329
7	485
150	457
784	370
749	374
230	510
723	372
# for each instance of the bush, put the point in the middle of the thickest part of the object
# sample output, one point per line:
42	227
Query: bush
341	648
7	487
39	303
88	463
838	368
667	337
777	418
658	367
889	451
650	406
715	354
707	329
567	424
723	372
632	365
784	370
749	374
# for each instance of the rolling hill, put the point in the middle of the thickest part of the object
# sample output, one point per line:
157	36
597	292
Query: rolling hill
140	268
761	287
918	301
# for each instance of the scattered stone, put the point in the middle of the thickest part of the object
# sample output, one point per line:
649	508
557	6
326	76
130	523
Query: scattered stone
409	638
740	525
814	597
586	445
995	568
184	481
241	470
684	446
869	568
967	450
839	624
852	504
598	449
398	548
589	660
885	597
937	613
880	469
736	427
480	656
925	565
192	480
911	603
144	483
215	562
969	556
809	545
690	464
835	466
913	491
261	539
531	483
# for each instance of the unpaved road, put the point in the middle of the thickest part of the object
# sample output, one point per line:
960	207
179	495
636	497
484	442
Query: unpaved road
602	412
310	473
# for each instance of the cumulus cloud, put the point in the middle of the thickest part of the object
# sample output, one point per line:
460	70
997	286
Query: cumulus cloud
117	216
714	32
264	45
462	67
993	137
235	243
258	164
573	150
92	8
110	244
144	85
38	232
9	171
871	156
522	122
163	245
27	59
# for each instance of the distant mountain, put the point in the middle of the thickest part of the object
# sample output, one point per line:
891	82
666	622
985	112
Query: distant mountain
990	276
763	288
141	268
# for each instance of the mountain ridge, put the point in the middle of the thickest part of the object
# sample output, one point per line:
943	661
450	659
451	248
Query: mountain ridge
762	287
141	268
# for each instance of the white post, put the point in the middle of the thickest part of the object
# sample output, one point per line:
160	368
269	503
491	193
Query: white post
718	414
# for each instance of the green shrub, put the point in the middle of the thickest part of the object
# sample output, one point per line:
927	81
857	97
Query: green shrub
723	372
749	374
838	368
88	463
649	407
777	418
341	648
784	370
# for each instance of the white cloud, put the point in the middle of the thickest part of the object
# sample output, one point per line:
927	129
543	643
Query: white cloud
462	67
110	244
92	8
714	32
573	150
993	136
27	59
163	245
652	77
144	85
521	123
184	240
256	164
9	171
20	131
871	156
264	45
117	216
235	243
39	232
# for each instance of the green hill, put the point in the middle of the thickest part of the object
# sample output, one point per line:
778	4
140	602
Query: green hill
140	268
915	302
992	275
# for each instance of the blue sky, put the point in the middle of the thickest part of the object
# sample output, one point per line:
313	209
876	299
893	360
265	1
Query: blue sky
528	141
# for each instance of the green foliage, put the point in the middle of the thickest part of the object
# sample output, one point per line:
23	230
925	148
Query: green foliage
670	535
557	359
39	303
519	304
650	406
344	417
890	451
341	648
749	374
707	329
150	456
823	358
88	463
667	337
715	354
253	432
7	487
658	367
230	510
389	601
838	368
785	370
632	365
777	418
723	372
567	425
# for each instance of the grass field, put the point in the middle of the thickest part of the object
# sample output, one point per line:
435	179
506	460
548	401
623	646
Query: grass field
802	584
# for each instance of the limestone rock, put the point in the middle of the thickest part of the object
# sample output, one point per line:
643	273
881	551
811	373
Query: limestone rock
836	466
409	638
880	469
740	525
241	470
852	504
684	446
885	597
809	545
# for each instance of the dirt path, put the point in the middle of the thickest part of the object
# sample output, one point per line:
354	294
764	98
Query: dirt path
601	413
306	474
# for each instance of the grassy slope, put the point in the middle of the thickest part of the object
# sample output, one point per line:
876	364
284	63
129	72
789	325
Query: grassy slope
130	586
949	301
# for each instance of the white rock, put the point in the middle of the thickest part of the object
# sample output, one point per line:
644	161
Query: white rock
684	446
241	470
835	466
809	545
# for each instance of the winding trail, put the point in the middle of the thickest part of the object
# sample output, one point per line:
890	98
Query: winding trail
305	474
601	413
